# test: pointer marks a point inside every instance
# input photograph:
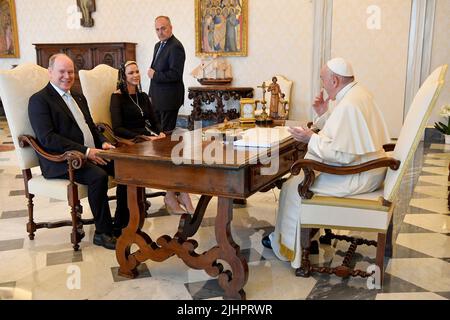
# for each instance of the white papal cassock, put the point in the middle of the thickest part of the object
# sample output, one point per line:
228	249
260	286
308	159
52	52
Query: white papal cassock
354	132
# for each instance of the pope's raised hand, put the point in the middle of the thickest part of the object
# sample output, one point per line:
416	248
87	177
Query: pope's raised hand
320	104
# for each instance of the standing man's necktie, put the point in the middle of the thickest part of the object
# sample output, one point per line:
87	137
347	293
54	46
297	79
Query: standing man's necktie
79	118
161	46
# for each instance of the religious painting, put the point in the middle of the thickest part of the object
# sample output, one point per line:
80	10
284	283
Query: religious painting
9	40
221	27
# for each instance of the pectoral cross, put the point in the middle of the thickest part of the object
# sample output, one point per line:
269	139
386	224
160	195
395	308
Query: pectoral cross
86	8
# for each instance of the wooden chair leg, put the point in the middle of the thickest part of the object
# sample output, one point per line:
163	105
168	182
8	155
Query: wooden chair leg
305	239
31	226
379	260
389	235
75	211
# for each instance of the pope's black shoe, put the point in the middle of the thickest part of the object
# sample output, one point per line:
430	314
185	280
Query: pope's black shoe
266	242
105	240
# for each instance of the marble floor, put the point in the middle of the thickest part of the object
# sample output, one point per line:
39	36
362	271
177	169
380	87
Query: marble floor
48	268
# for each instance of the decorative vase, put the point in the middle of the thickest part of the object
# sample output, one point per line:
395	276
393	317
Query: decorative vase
447	138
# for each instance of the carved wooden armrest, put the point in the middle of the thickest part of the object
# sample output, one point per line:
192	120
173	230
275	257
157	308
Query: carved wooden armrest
117	141
74	158
309	166
388	147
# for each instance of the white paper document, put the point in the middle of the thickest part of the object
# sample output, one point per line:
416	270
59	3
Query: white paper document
263	137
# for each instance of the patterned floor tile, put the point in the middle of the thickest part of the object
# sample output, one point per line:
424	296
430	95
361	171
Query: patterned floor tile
433	171
394	284
14	214
160	213
204	289
430	205
251	255
13	193
7	290
409	296
400	251
418	195
331	287
15	244
444	294
415	210
436	163
422	183
435	180
409	228
438	223
142	269
428	273
56	200
433	244
439	192
55	258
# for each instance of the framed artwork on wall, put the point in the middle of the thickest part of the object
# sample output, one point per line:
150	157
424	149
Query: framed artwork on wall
221	27
9	40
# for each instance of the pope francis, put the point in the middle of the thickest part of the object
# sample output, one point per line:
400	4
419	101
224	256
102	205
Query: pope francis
351	132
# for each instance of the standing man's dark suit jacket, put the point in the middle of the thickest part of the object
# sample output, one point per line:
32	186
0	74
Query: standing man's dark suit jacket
166	87
56	128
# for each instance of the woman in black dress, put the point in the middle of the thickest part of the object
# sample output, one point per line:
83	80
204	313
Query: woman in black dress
133	116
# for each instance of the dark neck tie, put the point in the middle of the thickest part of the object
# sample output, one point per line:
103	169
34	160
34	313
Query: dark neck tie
161	46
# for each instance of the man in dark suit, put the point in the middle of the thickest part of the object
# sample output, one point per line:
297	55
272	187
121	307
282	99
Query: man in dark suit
62	122
166	74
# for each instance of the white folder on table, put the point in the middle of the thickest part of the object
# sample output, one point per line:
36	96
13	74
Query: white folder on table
263	137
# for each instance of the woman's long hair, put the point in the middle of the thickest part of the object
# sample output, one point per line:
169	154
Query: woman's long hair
122	78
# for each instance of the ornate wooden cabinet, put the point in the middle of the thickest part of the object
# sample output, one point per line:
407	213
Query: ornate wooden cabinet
87	55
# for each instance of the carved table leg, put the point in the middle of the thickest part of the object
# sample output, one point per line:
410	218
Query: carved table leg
189	225
234	281
130	235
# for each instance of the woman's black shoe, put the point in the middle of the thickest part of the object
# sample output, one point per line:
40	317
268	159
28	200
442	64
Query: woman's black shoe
266	242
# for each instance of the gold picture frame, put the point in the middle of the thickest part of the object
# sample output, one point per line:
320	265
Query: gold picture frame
9	39
221	27
248	108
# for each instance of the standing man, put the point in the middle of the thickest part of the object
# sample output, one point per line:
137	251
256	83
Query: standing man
62	122
354	132
166	74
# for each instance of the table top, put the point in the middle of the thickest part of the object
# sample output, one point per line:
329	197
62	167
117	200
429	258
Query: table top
199	149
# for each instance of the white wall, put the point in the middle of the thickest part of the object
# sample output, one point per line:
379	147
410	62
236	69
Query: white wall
378	56
441	53
280	37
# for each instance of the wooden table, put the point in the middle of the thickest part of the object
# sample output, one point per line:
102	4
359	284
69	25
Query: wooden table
149	164
209	94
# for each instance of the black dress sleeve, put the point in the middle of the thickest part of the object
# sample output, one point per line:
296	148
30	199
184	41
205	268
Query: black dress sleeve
116	107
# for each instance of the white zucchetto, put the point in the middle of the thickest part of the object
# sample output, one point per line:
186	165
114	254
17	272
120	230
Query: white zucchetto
340	67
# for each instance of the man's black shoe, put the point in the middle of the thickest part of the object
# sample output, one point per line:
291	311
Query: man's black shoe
104	240
266	242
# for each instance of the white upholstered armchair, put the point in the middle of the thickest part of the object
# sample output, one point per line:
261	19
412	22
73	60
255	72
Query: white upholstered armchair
371	212
16	87
98	84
